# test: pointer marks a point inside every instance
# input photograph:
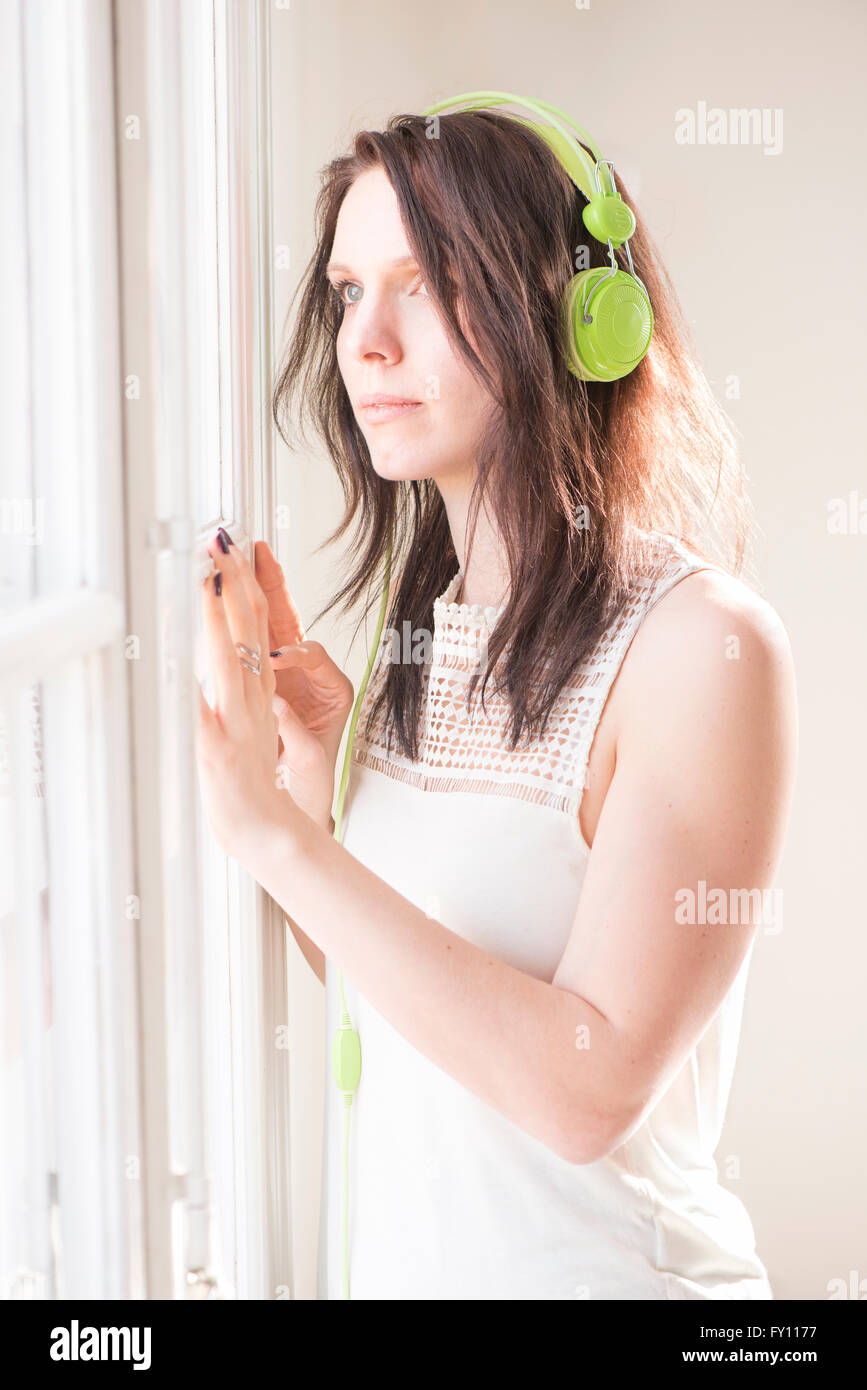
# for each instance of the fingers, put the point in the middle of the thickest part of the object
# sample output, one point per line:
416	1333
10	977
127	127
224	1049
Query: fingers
293	733
303	760
226	669
306	656
283	616
247	613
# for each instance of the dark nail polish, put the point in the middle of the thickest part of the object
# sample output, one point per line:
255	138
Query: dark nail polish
218	582
223	539
278	653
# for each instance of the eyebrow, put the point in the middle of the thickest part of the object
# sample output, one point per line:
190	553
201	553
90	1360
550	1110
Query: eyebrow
401	260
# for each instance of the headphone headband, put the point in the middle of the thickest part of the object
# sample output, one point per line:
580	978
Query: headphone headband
609	320
581	169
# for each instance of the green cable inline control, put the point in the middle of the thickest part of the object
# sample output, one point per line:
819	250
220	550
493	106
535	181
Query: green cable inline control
346	1057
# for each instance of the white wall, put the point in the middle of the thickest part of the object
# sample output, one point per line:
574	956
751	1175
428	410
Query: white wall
775	299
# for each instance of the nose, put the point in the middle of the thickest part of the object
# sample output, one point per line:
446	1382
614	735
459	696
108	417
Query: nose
370	332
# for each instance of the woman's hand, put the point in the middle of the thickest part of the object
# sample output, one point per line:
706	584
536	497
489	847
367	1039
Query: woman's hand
313	697
236	741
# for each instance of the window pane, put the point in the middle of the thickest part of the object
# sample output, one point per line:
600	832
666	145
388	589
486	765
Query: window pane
27	1159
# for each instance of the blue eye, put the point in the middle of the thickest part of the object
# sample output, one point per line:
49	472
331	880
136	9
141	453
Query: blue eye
339	286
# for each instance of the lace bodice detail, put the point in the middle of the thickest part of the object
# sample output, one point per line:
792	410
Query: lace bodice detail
469	752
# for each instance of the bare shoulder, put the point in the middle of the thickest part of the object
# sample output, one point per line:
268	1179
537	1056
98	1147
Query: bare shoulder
710	650
708	605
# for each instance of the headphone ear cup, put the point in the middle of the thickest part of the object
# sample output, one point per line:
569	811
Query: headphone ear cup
621	327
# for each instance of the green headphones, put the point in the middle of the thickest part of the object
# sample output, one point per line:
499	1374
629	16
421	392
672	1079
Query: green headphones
600	346
609	342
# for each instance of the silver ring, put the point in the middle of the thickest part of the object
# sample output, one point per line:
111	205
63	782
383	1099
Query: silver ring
251	660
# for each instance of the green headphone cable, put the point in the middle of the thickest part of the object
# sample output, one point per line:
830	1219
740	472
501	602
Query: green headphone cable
346	1047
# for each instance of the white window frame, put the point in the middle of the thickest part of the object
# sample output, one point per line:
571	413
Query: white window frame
168	1116
223	1130
72	1210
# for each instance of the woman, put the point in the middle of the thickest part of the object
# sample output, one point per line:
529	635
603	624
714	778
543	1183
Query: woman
579	731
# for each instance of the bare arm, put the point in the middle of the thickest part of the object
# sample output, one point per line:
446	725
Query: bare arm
698	804
309	950
700	791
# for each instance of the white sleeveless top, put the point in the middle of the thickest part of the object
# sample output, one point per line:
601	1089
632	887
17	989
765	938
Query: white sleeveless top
447	1198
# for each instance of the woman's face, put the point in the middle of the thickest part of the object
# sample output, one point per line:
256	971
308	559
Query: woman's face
393	342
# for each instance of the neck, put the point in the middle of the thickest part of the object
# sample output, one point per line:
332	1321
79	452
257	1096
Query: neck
484	567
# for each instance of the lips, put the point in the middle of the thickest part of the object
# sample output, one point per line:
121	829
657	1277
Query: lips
379	409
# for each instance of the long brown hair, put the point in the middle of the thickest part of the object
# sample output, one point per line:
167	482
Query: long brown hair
494	222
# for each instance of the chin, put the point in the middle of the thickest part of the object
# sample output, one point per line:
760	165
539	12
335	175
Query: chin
401	470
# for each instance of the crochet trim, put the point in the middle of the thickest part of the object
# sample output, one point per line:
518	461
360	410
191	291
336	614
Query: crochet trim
467	752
